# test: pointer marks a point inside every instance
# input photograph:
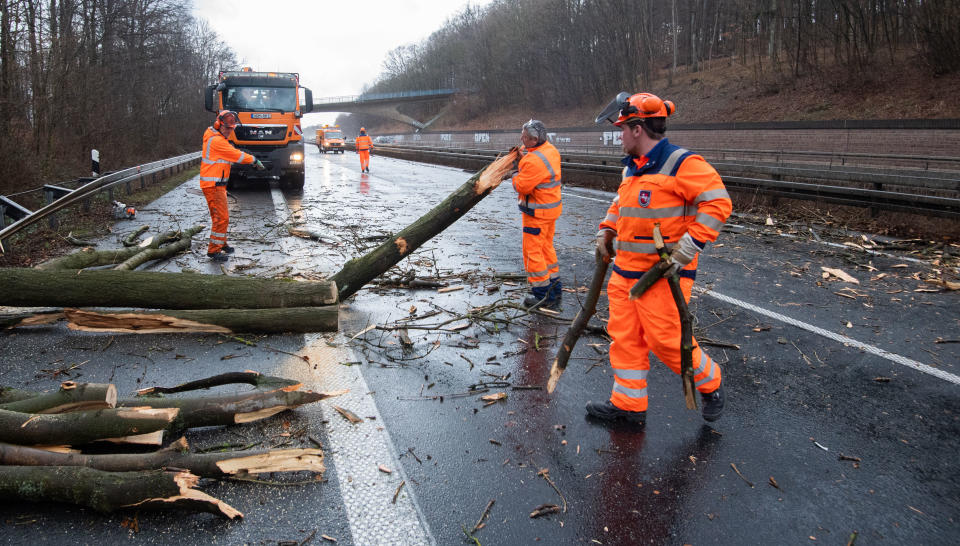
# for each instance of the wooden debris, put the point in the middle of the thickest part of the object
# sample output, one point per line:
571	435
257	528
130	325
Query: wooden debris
838	273
348	415
544	509
737	470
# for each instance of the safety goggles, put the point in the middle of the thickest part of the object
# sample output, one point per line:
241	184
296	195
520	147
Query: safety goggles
225	118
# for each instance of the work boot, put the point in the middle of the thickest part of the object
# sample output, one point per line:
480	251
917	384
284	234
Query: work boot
606	411
218	256
228	249
713	404
533	301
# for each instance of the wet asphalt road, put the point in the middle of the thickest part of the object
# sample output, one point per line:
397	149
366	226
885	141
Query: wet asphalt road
799	394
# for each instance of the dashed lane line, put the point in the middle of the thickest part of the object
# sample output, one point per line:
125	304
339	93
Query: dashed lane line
893	357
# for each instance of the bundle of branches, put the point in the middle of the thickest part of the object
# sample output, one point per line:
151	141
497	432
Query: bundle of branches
38	431
129	257
176	302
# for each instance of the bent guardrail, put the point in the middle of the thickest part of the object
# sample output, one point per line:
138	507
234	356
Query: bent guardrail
23	217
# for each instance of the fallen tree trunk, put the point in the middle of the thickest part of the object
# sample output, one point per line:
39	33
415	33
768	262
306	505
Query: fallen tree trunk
147	254
71	397
109	491
360	271
81	427
211	411
324	318
154	290
10	394
205	465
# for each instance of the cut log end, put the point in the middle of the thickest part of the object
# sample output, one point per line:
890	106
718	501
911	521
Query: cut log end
401	245
495	171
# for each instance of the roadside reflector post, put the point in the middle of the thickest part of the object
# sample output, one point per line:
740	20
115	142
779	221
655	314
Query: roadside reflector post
95	162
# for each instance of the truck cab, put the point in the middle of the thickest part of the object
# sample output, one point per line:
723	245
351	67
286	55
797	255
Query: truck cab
330	139
268	104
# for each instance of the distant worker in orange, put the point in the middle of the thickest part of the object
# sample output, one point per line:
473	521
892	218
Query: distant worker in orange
537	183
364	145
217	156
678	189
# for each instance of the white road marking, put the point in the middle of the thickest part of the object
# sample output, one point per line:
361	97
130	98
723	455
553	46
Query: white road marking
910	363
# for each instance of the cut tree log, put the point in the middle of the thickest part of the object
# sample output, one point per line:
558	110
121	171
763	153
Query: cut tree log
211	411
89	257
109	491
154	290
133	238
359	271
82	427
322	318
71	397
205	465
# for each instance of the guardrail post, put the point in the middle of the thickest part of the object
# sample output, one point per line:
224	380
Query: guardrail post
129	188
49	197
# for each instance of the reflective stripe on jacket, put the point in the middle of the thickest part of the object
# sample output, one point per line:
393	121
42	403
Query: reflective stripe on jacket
364	143
217	156
538	182
674	187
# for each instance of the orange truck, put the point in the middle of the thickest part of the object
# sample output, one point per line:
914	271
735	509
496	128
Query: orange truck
268	104
330	139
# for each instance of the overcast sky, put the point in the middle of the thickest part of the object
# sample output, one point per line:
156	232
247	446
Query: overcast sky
336	46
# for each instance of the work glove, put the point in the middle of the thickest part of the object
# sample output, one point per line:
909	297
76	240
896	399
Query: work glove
605	239
683	253
259	166
509	175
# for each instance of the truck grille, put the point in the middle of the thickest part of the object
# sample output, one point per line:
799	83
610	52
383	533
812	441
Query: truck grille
252	132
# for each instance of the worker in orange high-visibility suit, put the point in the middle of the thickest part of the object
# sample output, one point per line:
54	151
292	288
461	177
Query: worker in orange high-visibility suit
364	145
537	183
217	156
678	189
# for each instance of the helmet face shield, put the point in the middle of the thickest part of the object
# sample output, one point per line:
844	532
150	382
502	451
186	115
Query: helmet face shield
612	111
229	119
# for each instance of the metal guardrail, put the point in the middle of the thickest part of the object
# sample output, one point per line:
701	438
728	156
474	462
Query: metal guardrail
23	217
850	194
385	96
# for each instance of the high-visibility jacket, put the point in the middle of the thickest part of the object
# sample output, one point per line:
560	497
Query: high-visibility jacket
364	143
674	187
538	182
218	154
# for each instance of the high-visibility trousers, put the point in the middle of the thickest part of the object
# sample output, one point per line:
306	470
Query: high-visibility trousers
649	323
219	217
539	256
364	159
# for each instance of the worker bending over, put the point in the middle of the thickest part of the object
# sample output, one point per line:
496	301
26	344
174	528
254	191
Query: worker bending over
537	183
678	189
364	145
218	154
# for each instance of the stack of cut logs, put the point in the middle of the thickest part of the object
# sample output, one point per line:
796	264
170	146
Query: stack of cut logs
39	434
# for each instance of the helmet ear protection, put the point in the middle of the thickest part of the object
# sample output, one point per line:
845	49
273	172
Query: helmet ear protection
224	118
638	106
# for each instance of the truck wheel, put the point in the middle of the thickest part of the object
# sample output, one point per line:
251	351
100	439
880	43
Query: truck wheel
293	180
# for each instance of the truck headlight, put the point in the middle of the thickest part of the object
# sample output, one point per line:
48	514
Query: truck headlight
296	157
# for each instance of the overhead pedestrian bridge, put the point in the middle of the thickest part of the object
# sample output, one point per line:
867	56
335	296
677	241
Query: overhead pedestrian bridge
386	104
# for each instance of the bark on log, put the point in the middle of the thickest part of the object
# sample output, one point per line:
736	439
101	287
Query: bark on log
211	411
322	318
205	465
71	397
89	257
360	271
109	491
10	394
82	427
149	289
147	254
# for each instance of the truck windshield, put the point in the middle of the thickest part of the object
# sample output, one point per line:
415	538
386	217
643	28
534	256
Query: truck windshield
252	99
334	134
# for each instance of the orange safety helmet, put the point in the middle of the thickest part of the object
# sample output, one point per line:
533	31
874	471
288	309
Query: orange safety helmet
227	117
638	106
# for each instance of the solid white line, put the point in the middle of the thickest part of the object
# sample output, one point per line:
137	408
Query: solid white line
910	363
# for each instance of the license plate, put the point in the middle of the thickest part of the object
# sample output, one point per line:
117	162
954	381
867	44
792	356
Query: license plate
260	116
